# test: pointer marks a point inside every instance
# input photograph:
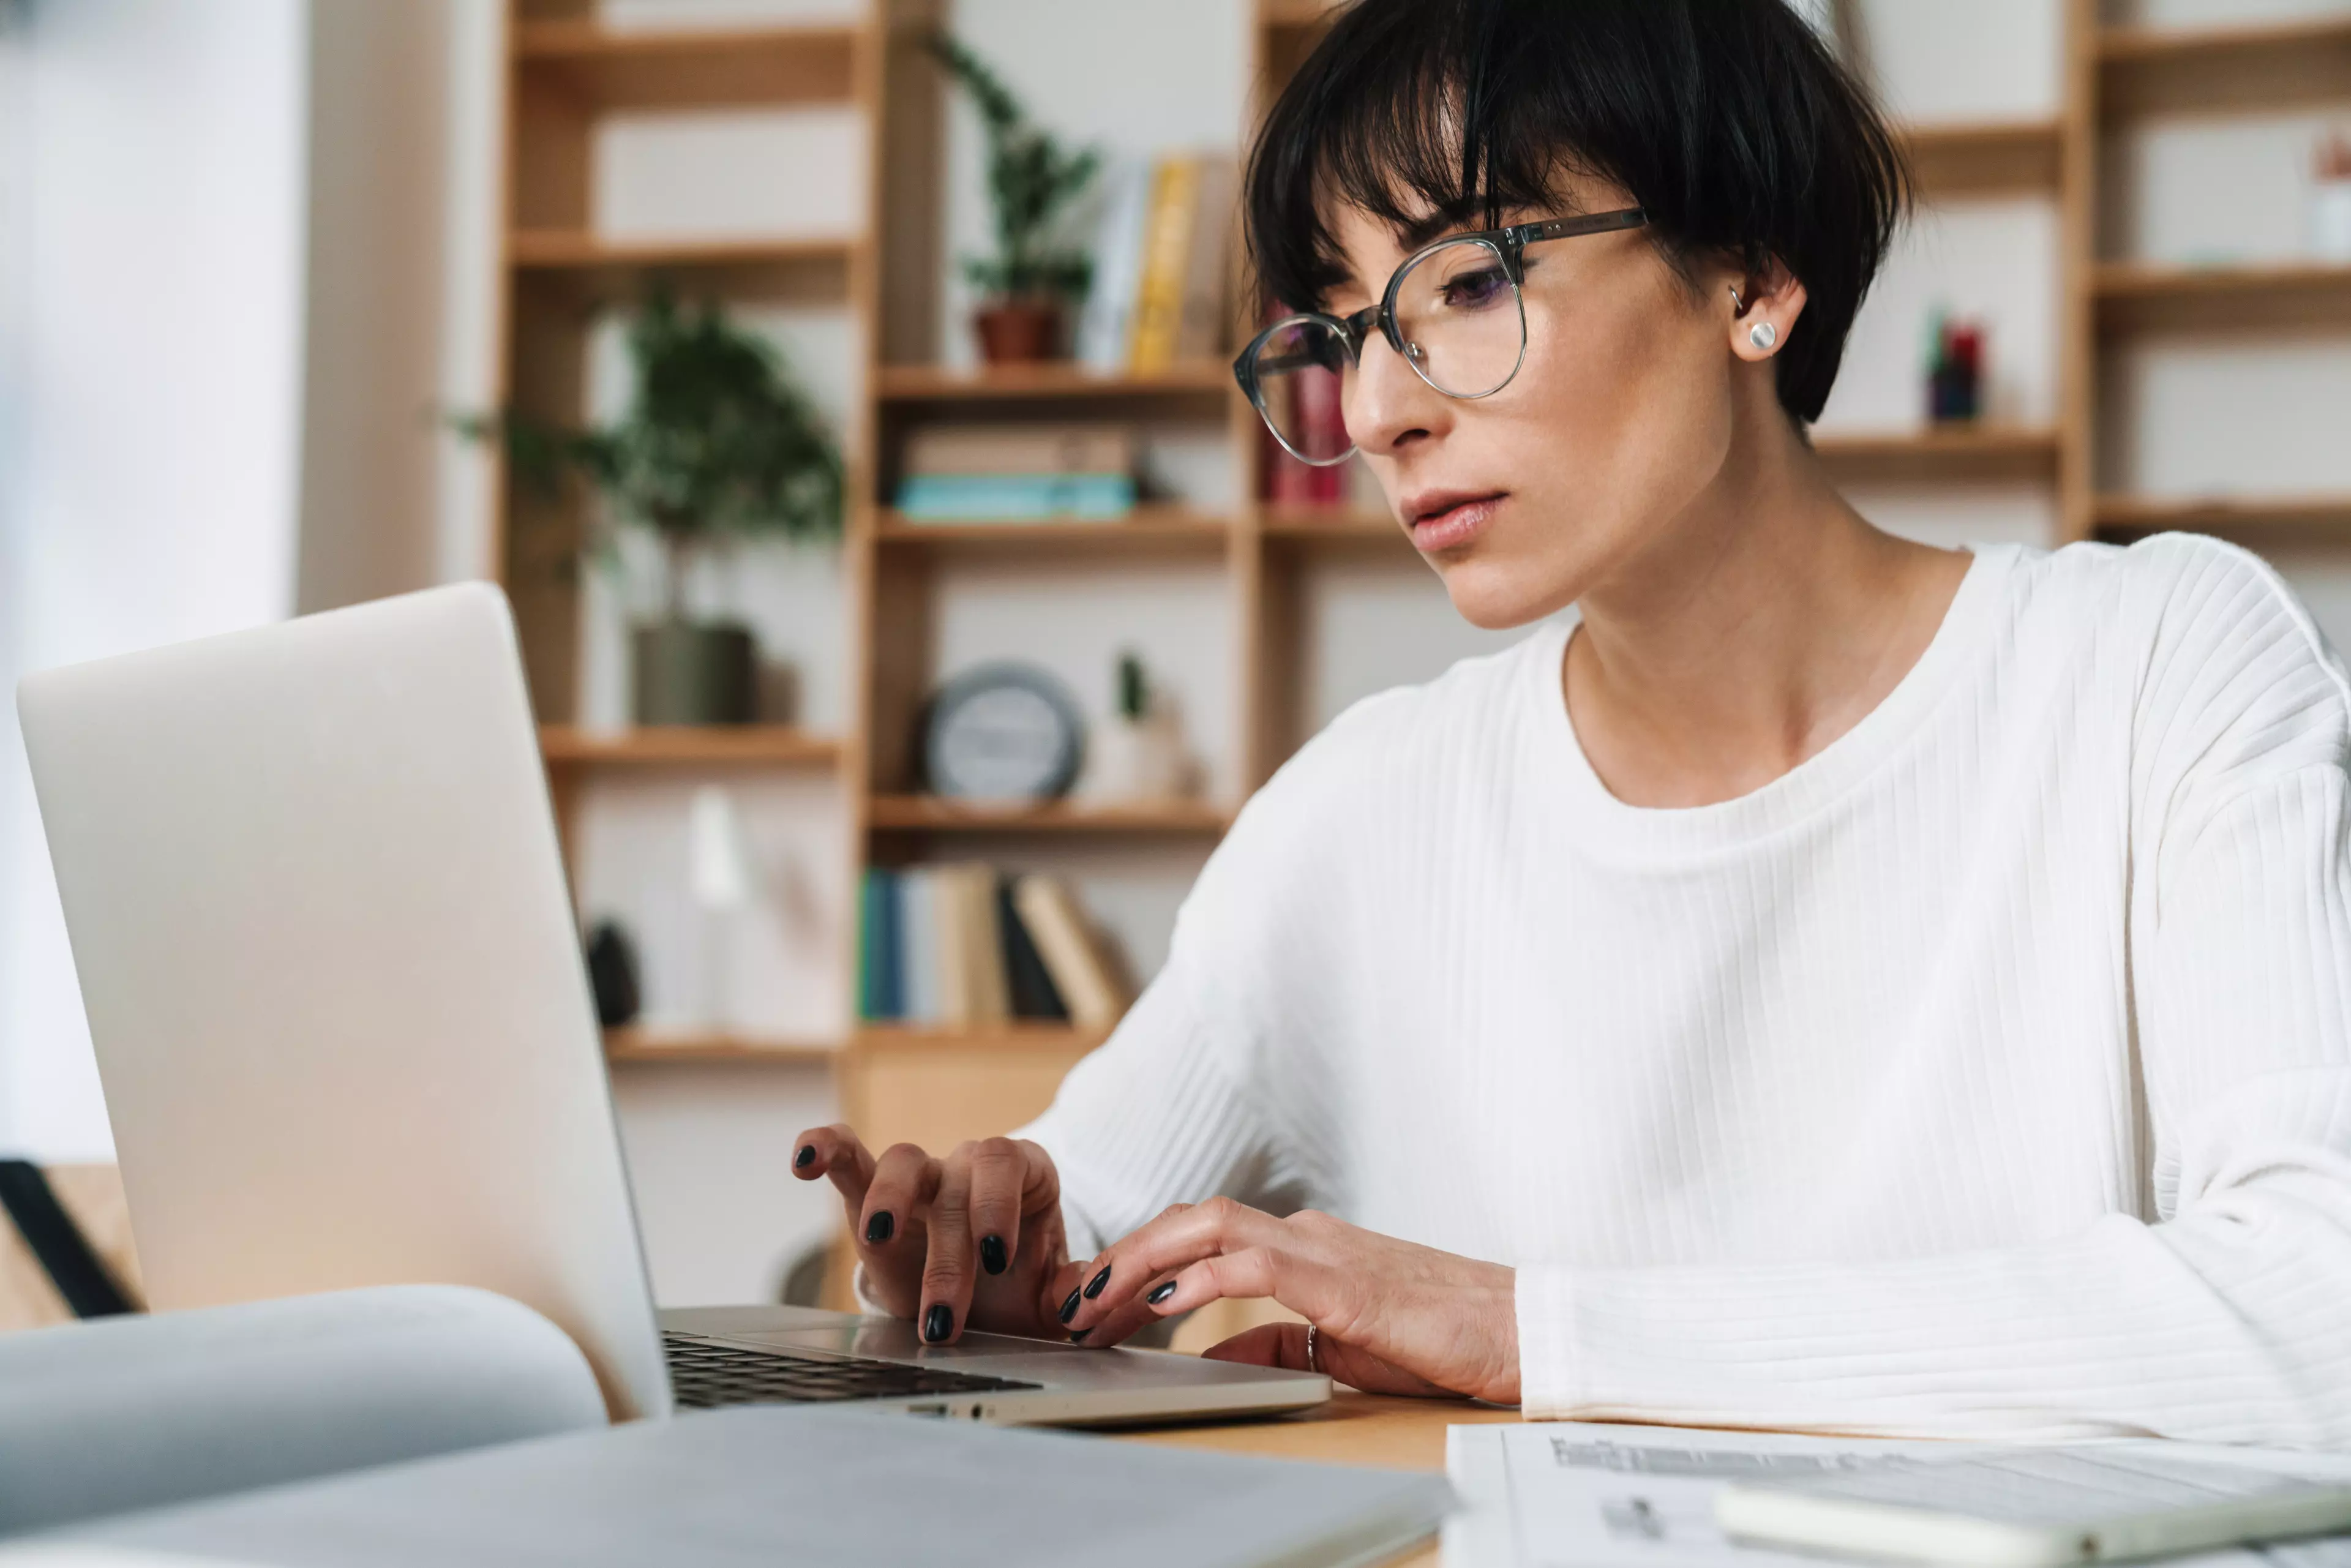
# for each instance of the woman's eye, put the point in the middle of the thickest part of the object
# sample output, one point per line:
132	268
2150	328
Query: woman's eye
1473	290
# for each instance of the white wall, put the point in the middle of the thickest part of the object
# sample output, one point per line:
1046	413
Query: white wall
379	118
157	381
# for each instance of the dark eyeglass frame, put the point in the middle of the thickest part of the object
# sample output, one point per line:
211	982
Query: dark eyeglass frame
1509	244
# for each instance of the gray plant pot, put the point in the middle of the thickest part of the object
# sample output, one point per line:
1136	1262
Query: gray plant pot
689	673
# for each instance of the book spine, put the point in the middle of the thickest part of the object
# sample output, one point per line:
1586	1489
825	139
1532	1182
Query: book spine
1030	983
1107	329
954	949
1013	498
1085	983
1167	249
990	987
967	450
919	946
890	983
1208	272
869	947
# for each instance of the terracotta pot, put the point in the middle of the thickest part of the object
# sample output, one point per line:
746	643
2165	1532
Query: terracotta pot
1018	331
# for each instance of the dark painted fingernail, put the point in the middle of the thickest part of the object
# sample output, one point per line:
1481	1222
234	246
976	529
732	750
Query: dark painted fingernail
938	1322
1079	1337
805	1158
1094	1286
991	1254
1162	1293
1070	1306
878	1228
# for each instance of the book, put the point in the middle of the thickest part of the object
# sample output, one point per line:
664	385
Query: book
983	955
1166	257
889	984
1209	269
970	952
1020	450
1105	332
1031	984
870	890
918	946
1015	498
1094	997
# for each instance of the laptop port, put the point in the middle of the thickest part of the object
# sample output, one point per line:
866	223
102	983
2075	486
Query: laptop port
927	1410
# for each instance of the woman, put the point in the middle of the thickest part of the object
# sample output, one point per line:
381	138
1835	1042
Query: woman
1831	984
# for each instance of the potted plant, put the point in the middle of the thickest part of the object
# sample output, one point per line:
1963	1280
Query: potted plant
1027	283
717	444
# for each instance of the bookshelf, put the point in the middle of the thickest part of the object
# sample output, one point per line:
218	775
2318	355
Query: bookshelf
1267	564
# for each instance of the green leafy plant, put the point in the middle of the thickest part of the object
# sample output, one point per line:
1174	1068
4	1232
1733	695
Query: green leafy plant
717	442
1031	180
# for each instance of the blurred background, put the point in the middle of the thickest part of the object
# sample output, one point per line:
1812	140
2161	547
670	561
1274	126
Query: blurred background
839	390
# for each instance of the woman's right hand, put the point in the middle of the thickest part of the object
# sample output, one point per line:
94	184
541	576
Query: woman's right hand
973	1238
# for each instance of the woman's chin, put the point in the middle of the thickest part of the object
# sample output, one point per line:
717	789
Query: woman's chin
1496	594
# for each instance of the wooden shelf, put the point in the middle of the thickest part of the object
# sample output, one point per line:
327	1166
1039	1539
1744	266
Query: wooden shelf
1057	817
2289	293
635	1045
605	69
1947	451
1332	526
2328	517
2268	65
662	746
1151	528
1014	1036
1052	379
1987	158
815	268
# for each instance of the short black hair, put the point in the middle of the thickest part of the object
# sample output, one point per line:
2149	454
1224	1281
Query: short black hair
1727	120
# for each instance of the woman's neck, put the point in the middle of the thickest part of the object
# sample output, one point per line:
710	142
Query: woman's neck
1768	622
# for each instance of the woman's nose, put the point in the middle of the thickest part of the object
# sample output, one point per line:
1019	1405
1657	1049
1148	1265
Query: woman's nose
1386	405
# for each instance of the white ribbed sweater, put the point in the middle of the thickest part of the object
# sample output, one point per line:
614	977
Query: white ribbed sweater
1988	1073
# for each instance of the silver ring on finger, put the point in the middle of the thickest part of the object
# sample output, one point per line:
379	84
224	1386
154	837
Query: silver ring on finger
1314	1349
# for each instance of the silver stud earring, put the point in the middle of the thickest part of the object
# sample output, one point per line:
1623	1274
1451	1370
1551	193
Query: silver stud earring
1763	334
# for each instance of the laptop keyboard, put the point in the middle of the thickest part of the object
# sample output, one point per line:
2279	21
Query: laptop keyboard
705	1375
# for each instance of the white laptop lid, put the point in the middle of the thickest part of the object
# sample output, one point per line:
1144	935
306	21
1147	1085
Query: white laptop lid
318	912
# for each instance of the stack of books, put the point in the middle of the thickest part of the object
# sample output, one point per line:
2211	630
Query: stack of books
960	946
1019	474
1161	267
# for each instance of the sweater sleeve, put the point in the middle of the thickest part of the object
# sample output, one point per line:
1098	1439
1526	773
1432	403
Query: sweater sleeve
2222	1317
1190	1098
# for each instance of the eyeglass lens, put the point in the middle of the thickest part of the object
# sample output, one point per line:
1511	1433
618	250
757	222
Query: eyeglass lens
1460	317
1299	372
1464	331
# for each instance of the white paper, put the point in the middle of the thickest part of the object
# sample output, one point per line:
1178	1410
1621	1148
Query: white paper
1560	1493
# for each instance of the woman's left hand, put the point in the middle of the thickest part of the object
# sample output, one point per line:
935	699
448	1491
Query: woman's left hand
1389	1317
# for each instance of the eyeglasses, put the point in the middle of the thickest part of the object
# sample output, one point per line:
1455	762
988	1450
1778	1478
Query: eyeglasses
1454	311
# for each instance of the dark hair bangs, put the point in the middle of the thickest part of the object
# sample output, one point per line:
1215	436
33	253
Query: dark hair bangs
1727	120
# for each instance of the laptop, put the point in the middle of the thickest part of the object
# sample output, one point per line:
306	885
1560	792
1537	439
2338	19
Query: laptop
334	980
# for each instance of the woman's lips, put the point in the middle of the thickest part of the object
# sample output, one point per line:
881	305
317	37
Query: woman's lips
1453	523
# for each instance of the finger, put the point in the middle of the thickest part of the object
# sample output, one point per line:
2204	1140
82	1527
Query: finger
1057	1301
835	1151
1180	1236
895	1202
947	1262
997	1175
1283	1345
1122	1323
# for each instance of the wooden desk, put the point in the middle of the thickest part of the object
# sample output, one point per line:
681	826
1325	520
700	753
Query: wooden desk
1352	1429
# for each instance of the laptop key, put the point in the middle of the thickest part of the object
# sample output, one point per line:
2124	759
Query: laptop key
704	1377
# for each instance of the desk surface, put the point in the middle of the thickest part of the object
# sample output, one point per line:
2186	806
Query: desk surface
1352	1429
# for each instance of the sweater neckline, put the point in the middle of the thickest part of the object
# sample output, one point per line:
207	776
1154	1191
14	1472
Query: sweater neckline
1803	791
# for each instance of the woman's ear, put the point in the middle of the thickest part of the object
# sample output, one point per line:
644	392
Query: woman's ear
1764	308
